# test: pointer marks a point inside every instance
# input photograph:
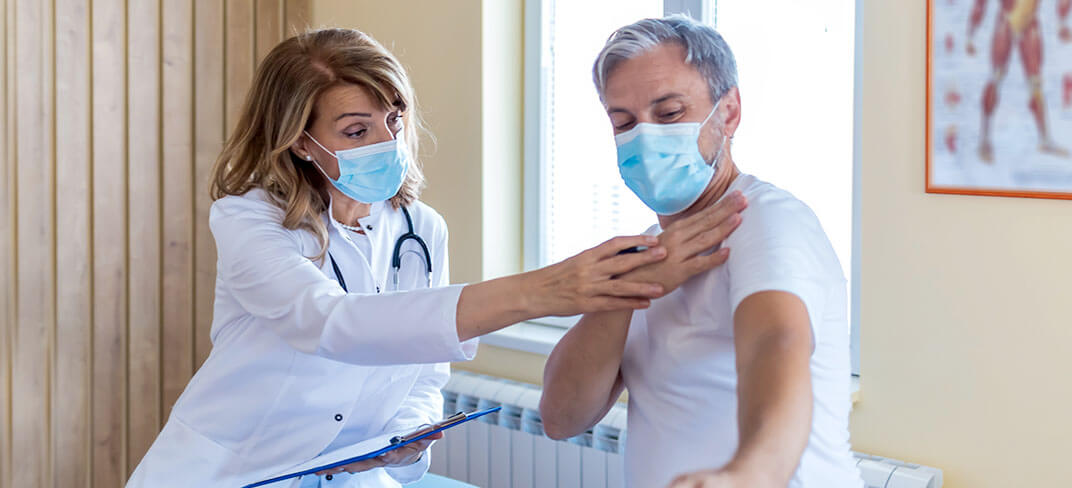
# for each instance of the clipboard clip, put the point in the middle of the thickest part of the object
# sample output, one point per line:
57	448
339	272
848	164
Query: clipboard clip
447	422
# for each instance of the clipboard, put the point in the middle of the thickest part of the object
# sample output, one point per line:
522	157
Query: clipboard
395	443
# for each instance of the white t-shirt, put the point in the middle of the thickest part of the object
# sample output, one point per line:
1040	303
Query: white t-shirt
679	363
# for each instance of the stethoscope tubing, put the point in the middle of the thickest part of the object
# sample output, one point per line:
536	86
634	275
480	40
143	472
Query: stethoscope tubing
396	255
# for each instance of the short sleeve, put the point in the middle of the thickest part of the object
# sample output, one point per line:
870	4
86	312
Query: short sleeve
780	246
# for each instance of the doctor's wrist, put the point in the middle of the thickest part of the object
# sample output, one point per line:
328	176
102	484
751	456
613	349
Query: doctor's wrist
531	295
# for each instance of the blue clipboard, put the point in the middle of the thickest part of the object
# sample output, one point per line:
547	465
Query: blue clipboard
396	442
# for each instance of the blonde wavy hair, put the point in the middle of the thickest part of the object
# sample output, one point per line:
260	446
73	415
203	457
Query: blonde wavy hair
280	105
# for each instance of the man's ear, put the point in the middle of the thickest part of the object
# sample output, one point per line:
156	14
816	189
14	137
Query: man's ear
730	111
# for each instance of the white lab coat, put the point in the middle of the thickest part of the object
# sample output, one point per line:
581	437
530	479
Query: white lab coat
298	365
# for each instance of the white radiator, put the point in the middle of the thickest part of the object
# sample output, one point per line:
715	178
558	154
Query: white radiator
509	450
881	472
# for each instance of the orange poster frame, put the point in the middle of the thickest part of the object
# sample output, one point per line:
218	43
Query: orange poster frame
930	186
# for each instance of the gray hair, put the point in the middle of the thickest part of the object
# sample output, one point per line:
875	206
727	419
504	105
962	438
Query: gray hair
704	49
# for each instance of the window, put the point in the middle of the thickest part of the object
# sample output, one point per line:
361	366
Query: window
796	75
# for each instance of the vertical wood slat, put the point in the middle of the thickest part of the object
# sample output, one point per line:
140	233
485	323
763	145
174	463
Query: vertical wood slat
240	63
295	16
208	136
34	240
269	26
71	379
7	249
177	354
143	201
109	243
108	265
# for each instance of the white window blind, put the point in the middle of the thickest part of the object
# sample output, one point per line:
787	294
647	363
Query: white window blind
586	201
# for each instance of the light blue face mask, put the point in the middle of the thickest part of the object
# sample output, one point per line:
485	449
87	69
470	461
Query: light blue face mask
371	173
663	166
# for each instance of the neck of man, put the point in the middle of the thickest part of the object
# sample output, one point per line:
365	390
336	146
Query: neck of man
346	210
727	172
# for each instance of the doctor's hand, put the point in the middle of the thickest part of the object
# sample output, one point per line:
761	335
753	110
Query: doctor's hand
686	242
588	282
403	456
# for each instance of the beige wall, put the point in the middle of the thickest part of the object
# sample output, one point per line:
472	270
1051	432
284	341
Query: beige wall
965	309
469	92
113	112
465	61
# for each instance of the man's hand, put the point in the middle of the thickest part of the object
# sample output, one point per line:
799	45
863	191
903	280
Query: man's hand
717	478
403	456
685	242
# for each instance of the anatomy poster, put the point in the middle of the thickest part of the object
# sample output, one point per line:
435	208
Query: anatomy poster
999	95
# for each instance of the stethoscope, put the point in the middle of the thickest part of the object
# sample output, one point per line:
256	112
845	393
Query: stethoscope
396	256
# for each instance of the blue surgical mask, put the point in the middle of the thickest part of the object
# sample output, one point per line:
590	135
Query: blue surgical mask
663	166
371	173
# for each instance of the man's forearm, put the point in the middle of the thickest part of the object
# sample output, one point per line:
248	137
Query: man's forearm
774	410
581	376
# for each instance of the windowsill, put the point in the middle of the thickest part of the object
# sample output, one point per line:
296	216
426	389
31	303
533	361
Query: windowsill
532	337
540	338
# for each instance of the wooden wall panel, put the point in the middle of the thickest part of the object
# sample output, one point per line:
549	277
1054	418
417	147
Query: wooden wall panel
269	26
208	141
34	246
240	62
144	232
178	194
7	245
295	17
71	375
110	280
113	113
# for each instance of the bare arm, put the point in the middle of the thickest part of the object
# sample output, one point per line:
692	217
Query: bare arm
772	338
582	379
773	343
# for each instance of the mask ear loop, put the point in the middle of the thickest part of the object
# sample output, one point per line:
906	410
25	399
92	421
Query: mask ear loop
712	114
718	155
311	138
315	163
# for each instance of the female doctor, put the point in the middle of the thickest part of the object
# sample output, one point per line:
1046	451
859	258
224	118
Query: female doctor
324	334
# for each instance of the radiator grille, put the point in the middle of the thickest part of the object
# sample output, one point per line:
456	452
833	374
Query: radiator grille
508	449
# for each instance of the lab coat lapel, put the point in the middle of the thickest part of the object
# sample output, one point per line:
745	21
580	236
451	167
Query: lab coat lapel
385	230
353	270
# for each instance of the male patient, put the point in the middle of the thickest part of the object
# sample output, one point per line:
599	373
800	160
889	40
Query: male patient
738	377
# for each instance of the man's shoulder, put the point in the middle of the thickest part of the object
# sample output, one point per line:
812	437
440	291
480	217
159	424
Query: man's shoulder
770	200
773	211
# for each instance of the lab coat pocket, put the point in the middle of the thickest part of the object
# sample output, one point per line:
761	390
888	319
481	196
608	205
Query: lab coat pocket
182	457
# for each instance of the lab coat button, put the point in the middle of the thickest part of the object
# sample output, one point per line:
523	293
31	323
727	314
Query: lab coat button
328	477
369	227
377	289
338	417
